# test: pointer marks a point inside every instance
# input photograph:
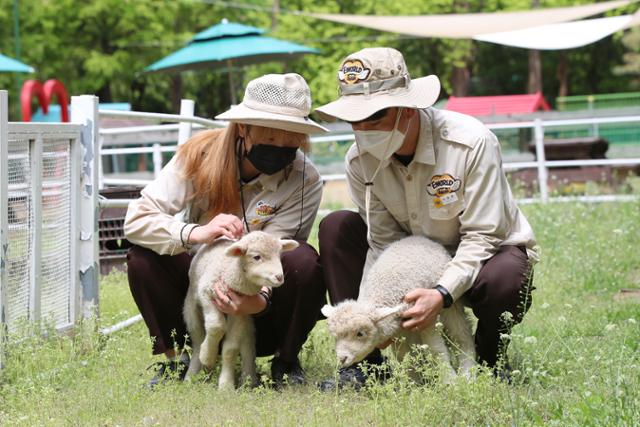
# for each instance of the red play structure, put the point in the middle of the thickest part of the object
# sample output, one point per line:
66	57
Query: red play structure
44	93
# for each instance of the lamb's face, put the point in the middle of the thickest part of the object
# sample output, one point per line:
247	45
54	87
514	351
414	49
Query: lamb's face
353	325
259	255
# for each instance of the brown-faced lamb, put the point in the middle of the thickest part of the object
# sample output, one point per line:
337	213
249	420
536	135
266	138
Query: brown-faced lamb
244	266
359	326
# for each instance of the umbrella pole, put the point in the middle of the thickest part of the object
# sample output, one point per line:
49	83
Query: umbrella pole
232	91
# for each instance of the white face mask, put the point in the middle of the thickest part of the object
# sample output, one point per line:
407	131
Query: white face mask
381	143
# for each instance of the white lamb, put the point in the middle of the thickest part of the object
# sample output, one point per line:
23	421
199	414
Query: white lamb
244	266
359	326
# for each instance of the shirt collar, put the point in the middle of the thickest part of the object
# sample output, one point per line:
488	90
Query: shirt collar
425	152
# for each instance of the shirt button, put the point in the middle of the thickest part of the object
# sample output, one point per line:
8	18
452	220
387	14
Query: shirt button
409	177
414	215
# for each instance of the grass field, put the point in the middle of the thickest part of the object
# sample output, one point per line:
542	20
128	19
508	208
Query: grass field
576	356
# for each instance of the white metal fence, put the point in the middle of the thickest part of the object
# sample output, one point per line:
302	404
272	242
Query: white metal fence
49	257
537	126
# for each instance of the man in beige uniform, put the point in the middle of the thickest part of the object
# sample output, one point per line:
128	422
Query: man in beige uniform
415	170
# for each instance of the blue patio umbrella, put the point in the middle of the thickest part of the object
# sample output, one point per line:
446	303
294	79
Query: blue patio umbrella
226	45
13	65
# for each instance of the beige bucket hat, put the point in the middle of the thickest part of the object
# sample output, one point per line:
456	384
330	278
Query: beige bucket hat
376	78
280	101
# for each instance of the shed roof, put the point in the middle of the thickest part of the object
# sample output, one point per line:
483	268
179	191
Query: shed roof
497	105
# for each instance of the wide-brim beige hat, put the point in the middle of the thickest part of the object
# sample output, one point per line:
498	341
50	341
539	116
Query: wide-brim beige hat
374	79
280	101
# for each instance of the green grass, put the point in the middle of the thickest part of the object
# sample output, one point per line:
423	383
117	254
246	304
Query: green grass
576	356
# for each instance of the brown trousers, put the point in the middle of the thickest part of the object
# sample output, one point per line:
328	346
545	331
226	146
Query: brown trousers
159	285
503	284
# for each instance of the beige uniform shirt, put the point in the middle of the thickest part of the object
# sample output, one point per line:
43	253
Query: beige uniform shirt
453	192
273	204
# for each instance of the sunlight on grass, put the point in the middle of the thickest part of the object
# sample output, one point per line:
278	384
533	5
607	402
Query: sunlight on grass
576	357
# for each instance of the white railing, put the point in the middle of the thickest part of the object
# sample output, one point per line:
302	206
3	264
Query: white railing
538	126
48	223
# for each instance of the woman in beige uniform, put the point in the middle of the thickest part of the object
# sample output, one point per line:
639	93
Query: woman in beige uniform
251	175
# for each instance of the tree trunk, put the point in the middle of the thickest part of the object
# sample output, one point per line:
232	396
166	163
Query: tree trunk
562	73
275	10
176	92
460	78
535	72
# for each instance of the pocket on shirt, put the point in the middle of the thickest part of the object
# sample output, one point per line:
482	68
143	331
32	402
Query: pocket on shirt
446	212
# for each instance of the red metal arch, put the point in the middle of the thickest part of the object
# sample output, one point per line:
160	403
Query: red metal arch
45	93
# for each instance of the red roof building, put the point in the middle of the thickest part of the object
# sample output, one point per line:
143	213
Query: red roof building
497	105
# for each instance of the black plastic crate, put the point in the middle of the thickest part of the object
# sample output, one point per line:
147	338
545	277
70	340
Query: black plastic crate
113	244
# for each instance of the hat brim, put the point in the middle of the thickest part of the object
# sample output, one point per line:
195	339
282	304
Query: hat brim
421	93
243	114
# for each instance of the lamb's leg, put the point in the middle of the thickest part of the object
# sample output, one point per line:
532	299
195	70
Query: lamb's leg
437	346
195	327
458	328
247	350
230	349
214	325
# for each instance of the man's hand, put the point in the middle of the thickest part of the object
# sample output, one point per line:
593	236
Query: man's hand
221	225
427	304
235	303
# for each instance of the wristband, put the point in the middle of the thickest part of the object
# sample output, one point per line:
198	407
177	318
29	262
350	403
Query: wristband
447	299
267	298
181	239
187	244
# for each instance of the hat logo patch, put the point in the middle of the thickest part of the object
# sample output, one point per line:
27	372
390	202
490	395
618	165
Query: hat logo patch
353	72
443	188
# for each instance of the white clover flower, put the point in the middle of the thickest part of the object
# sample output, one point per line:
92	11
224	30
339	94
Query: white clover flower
505	337
530	340
632	321
439	325
610	327
515	372
587	393
562	319
544	305
568	306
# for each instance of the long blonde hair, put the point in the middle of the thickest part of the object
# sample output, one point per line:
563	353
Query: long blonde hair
208	160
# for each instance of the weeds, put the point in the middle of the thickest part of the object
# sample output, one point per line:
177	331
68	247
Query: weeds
575	358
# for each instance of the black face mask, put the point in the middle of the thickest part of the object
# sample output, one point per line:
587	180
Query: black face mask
270	159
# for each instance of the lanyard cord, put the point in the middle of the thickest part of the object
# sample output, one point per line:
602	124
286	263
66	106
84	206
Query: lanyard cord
369	182
304	165
239	154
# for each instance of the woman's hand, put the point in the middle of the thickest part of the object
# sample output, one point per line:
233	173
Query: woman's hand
427	304
221	225
235	303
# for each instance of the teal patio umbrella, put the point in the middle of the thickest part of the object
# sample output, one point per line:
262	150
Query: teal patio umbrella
226	45
14	66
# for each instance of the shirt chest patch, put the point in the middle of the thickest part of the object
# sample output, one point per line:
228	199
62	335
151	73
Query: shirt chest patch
264	209
442	189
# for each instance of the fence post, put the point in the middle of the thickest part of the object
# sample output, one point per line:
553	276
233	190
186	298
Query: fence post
538	132
4	212
187	108
84	111
157	160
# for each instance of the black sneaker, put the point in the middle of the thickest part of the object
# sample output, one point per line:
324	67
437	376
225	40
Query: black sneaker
292	370
356	376
167	371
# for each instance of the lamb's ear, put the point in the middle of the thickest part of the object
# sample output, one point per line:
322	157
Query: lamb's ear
384	312
288	244
328	310
237	249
